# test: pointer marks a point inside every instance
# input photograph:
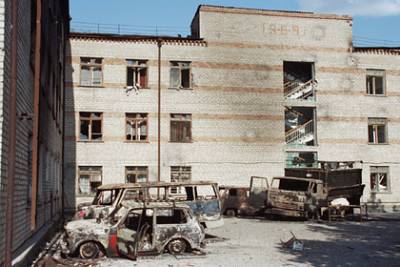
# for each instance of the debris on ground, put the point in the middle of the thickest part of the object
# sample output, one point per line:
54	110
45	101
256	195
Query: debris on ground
51	261
293	243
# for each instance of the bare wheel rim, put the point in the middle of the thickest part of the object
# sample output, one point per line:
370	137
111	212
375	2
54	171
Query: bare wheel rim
88	250
177	246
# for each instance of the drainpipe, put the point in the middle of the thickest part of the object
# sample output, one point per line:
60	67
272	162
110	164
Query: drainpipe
11	136
159	44
36	110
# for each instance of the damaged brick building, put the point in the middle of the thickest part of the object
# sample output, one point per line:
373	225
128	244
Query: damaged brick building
250	92
33	35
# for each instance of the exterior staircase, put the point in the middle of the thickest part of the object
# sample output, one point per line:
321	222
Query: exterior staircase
299	90
301	134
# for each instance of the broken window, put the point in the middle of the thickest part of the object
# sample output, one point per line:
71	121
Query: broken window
136	126
205	192
136	76
136	174
300	126
180	75
90	178
233	192
181	128
375	82
157	193
379	179
180	174
298	80
170	216
377	131
290	184
91	71
301	160
91	126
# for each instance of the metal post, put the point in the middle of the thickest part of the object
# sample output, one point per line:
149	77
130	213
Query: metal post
35	132
11	136
159	44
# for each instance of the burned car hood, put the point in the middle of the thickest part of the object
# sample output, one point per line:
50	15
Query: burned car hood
87	227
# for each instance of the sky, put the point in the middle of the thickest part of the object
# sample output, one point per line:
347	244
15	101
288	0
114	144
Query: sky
375	22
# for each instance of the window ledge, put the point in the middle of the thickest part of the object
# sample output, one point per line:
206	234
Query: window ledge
90	141
91	86
180	89
182	142
143	88
378	144
137	142
376	95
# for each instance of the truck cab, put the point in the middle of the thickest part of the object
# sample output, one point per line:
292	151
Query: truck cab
295	197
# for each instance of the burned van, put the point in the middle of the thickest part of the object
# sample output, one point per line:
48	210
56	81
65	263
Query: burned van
243	201
142	229
201	196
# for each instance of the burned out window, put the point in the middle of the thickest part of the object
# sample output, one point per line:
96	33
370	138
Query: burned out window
136	174
180	174
134	194
91	126
90	177
136	74
377	131
375	82
290	184
170	216
136	126
205	192
180	75
91	71
379	179
133	219
233	192
157	193
181	128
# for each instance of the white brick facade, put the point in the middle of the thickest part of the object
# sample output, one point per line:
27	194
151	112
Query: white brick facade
236	100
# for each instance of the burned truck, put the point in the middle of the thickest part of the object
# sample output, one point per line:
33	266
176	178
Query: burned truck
244	201
307	192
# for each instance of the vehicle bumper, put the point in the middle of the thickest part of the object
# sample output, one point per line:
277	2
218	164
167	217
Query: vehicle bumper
284	212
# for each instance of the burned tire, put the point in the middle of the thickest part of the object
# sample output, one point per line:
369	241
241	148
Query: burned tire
89	250
177	247
230	213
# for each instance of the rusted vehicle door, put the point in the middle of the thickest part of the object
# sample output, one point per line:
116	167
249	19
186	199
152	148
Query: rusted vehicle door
258	193
128	233
204	201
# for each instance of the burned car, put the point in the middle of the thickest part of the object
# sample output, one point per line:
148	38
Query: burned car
136	229
201	196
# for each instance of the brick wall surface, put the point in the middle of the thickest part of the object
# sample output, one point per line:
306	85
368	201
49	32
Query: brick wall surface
49	200
236	102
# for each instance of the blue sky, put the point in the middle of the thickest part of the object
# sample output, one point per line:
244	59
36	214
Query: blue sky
374	20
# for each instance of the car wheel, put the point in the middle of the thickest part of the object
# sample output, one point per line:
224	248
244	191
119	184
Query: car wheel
89	250
230	213
177	246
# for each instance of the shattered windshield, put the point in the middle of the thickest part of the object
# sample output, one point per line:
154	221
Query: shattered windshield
290	184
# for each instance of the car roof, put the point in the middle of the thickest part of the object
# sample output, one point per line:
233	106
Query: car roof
153	184
133	204
298	178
